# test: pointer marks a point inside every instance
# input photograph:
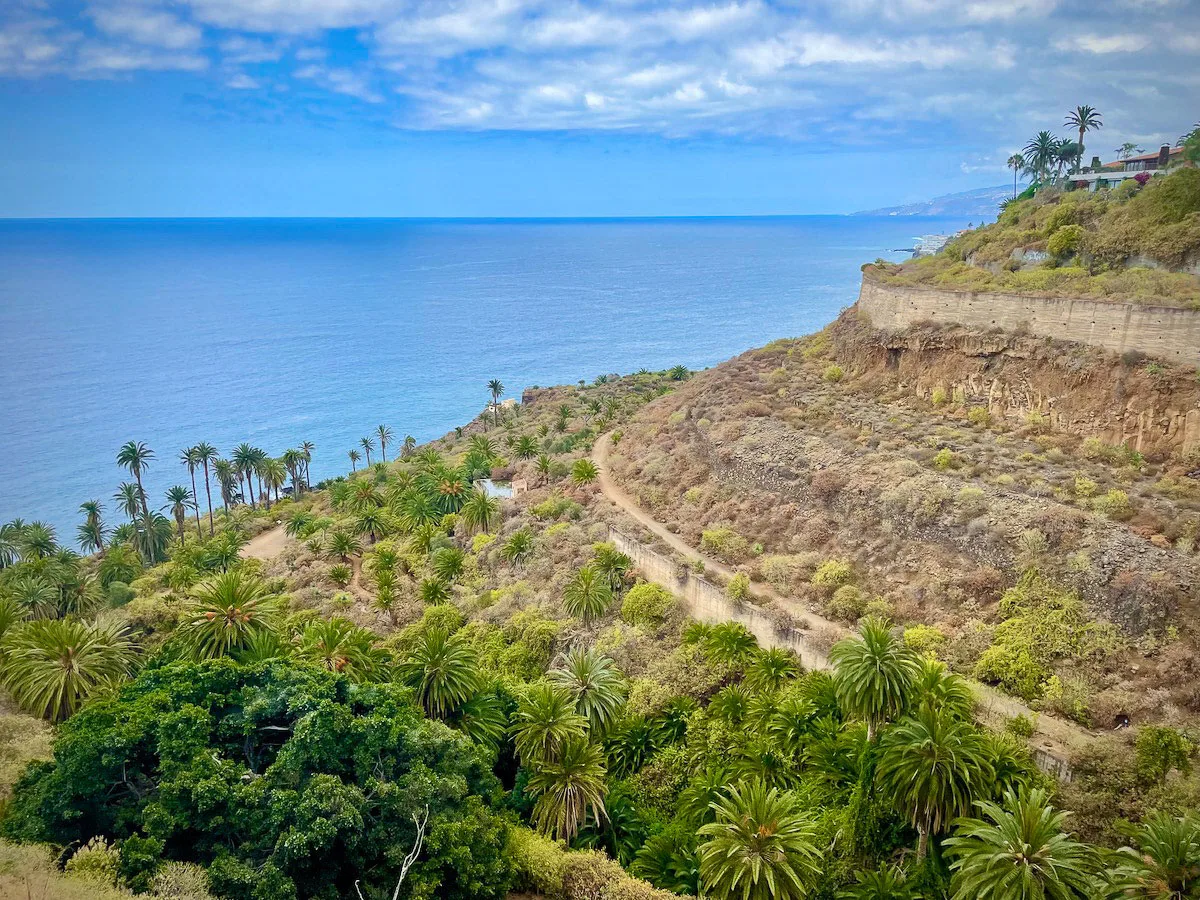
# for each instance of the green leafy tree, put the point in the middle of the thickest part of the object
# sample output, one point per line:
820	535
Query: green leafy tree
496	389
760	846
1040	154
587	595
51	666
1016	162
355	456
597	684
442	669
179	500
932	766
1018	851
385	436
226	612
873	674
569	787
91	534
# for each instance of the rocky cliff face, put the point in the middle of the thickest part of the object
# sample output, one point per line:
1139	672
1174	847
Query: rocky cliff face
1132	400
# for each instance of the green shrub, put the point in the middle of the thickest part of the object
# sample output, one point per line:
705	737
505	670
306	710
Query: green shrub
1065	241
979	415
647	604
538	862
1159	750
939	396
1114	504
738	587
95	861
833	373
119	593
945	459
556	506
1020	726
924	639
833	573
847	603
724	542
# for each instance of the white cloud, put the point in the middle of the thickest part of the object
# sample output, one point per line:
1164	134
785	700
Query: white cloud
1124	42
242	50
145	25
242	82
341	81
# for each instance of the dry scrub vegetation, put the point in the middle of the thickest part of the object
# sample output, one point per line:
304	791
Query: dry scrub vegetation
1058	567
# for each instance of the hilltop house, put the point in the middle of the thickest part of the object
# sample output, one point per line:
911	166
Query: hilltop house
1113	173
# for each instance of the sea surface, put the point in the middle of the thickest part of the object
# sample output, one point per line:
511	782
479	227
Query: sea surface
279	331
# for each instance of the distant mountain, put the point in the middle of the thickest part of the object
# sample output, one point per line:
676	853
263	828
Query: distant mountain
982	202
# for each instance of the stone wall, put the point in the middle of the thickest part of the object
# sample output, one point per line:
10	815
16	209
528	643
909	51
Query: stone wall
1163	331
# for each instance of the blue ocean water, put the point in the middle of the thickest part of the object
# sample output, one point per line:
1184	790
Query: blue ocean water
279	331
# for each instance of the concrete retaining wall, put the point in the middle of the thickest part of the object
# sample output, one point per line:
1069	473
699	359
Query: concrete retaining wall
1163	331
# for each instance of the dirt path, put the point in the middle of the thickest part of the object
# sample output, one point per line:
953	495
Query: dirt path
267	545
1055	736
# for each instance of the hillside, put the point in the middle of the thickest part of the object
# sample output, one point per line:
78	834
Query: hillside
981	203
1131	243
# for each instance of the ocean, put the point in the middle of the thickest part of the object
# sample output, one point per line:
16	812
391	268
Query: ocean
278	331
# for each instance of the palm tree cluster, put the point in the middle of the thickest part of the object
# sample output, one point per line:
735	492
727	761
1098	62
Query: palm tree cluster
1046	156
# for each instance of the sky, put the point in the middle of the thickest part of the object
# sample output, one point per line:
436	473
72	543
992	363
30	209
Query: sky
562	107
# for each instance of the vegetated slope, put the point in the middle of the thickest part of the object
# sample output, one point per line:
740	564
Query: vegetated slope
1133	242
815	466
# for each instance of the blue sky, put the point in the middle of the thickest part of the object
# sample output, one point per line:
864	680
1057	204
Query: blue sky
562	107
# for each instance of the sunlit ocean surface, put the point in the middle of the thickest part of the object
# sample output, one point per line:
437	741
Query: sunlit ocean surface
279	331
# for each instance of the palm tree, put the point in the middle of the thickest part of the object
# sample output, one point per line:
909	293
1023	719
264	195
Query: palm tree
1040	154
91	532
1018	851
244	459
179	499
355	456
293	461
409	446
206	453
338	645
306	449
759	847
385	435
129	496
226	613
152	537
274	474
937	689
584	472
1127	150
10	537
36	597
53	665
596	683
368	445
479	513
343	544
190	457
441	668
1066	156
135	456
730	644
678	373
569	788
1165	865
1016	162
543	465
227	478
525	447
772	669
932	766
545	720
873	674
496	388
587	595
612	564
1084	118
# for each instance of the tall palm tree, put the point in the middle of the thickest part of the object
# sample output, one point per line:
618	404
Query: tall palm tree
496	389
179	498
338	645
244	459
307	448
1165	863
759	847
53	665
772	669
932	766
274	474
587	595
1084	119
135	456
479	513
1018	851
1016	162
38	541
91	532
1040	154
10	536
570	789
152	537
190	457
129	496
385	435
368	445
410	445
206	453
227	477
1066	156
545	720
441	668
596	683
873	674
293	461
226	613
355	456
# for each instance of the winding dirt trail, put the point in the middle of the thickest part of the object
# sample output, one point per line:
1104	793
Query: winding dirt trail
267	545
1054	736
